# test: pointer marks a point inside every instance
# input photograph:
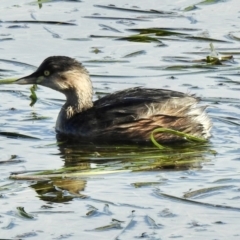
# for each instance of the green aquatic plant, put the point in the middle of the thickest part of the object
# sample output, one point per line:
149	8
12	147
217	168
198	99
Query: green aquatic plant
190	8
33	89
140	38
157	193
153	11
202	191
162	31
208	2
24	214
8	81
215	58
33	95
185	136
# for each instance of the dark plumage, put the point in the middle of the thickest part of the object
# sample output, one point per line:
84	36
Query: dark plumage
129	115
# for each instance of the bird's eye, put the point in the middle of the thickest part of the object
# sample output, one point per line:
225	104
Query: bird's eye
46	73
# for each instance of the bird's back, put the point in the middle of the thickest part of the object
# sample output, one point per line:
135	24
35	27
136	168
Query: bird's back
131	115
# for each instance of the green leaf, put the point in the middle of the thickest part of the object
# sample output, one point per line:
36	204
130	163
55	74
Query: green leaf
8	80
140	38
23	213
185	136
190	8
33	95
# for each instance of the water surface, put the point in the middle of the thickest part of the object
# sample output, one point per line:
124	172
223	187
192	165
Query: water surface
98	36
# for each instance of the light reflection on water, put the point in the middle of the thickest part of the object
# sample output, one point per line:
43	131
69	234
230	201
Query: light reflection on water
68	210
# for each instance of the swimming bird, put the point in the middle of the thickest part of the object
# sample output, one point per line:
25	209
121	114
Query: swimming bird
124	116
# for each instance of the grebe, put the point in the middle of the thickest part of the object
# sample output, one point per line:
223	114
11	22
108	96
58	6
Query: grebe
124	116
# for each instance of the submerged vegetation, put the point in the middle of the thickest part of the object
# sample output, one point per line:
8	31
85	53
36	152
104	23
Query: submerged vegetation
84	162
121	191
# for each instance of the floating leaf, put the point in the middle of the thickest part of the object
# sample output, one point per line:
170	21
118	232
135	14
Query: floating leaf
204	204
105	27
157	31
209	2
39	22
190	8
16	135
144	184
113	224
116	18
205	39
23	213
140	38
135	54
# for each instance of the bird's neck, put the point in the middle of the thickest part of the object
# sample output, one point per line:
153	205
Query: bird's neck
78	99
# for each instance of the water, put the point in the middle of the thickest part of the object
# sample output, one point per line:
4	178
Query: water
59	205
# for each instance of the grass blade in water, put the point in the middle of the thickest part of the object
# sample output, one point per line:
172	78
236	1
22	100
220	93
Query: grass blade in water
23	213
40	22
184	200
159	31
145	184
198	192
135	54
205	2
140	38
205	39
8	81
113	224
105	27
112	7
33	95
190	8
185	136
16	135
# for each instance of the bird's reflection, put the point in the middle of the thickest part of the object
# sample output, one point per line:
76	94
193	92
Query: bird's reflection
60	190
89	157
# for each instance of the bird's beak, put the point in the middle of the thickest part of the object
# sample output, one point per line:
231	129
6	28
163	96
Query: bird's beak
31	79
